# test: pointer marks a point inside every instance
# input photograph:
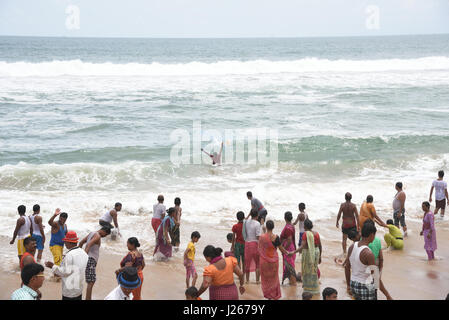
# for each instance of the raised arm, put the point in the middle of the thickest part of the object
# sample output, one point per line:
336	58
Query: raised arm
52	222
205	152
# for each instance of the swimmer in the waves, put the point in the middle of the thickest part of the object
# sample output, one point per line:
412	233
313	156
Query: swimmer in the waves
216	157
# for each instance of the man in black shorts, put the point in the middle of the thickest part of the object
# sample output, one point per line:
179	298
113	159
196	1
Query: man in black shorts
350	219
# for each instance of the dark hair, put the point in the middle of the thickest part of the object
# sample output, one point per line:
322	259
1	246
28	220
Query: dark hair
254	213
195	234
288	216
229	236
348	196
22	209
352	234
134	242
369	199
30	270
328	292
249	194
307	296
64	215
390	221
302	206
160	198
399	185
192	292
426	203
117	204
240	216
212	252
28	240
177	201
36	208
368	228
270	224
441	173
171	210
308	224
106	229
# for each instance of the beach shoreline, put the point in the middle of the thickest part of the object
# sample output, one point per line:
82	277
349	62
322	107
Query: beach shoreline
406	274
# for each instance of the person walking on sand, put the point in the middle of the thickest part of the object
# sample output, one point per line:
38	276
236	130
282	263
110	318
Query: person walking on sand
109	216
135	259
215	157
311	250
22	231
367	211
441	194
257	204
30	250
398	208
189	259
32	278
269	262
175	232
93	243
72	269
428	231
360	265
38	230
164	246
251	234
288	242
58	232
238	242
350	219
302	216
158	213
128	281
218	276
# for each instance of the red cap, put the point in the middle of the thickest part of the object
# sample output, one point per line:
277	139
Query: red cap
71	237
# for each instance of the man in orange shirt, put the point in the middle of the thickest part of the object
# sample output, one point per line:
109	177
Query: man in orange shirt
367	211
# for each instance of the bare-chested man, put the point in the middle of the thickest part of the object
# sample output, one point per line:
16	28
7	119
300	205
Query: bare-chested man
350	219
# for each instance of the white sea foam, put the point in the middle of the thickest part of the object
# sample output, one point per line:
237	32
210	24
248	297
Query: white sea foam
80	68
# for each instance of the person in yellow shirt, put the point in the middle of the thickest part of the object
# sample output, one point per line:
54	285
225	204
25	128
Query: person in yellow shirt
394	237
189	257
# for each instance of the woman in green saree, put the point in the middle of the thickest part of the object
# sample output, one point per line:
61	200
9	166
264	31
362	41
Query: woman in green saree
311	256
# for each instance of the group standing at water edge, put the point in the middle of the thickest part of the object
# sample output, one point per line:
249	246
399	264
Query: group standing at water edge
254	248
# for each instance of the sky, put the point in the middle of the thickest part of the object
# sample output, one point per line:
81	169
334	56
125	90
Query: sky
222	18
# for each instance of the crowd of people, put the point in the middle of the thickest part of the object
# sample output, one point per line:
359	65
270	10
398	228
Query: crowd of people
254	249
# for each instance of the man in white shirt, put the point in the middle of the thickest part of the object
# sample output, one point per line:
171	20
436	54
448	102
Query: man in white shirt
128	280
441	195
72	268
158	213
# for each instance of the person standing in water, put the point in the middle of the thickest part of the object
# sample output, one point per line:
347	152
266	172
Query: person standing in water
109	216
38	230
216	157
158	213
441	194
302	216
428	231
368	212
350	219
398	208
22	231
177	219
257	205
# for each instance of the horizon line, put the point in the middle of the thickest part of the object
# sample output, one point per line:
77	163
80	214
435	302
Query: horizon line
224	37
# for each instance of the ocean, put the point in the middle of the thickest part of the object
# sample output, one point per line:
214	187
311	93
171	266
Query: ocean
86	122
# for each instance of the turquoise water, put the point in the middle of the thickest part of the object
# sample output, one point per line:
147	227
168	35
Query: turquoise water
86	122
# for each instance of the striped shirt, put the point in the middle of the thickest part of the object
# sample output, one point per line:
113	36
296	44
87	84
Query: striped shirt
24	293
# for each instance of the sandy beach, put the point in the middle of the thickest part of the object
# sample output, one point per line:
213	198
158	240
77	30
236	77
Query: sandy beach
407	274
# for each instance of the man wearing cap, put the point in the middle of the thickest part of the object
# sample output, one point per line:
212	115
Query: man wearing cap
128	280
72	268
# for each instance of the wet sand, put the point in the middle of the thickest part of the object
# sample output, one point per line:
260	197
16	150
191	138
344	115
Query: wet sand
407	274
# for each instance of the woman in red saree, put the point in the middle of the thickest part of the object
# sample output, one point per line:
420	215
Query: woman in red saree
288	242
269	262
